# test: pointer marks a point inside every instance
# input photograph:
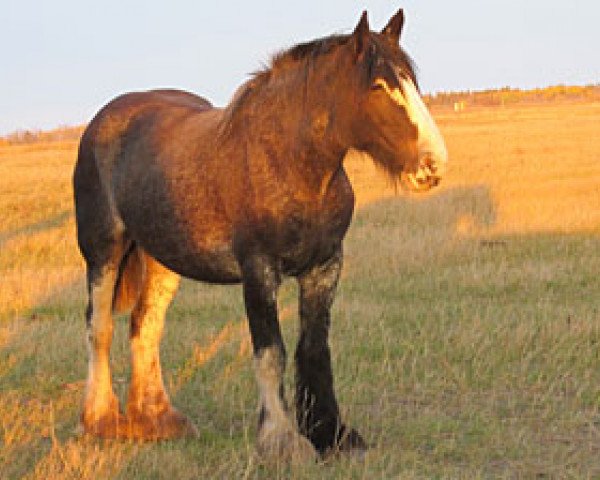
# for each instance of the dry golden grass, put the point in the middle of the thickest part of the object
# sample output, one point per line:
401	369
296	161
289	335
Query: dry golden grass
541	165
475	357
38	252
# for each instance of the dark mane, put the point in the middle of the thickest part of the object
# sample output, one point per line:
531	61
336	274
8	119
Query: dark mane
322	46
313	48
300	55
280	61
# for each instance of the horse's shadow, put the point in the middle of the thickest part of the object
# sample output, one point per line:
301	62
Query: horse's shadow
439	210
412	229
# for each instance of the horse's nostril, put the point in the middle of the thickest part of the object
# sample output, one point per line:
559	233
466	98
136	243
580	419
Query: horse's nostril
428	163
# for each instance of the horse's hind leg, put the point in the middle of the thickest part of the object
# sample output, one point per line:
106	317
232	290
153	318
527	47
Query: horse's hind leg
101	415
149	411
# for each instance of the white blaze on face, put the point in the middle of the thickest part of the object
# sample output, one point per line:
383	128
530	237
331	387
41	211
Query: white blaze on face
430	144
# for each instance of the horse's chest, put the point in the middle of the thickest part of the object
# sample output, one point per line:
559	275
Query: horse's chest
306	239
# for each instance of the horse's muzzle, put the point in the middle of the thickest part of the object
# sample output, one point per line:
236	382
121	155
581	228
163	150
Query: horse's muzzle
428	175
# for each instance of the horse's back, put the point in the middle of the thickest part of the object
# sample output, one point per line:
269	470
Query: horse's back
160	98
129	118
133	117
180	97
117	117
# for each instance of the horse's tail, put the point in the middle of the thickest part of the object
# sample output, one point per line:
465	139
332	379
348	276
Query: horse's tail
129	281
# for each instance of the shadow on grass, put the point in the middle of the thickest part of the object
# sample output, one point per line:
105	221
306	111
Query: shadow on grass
50	223
442	211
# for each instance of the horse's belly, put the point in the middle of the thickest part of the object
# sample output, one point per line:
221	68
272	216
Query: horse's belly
209	267
198	254
217	265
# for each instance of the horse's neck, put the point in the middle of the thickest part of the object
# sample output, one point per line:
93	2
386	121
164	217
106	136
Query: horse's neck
307	162
281	133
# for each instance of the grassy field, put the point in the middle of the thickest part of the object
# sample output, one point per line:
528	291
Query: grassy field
466	332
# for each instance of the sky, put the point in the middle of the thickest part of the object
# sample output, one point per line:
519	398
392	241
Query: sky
63	59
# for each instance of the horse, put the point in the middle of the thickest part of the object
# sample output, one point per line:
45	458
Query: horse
168	186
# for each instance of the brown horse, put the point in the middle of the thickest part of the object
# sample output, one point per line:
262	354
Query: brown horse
168	186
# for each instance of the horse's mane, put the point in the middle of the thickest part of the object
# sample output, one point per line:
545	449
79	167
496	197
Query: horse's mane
300	53
306	50
298	56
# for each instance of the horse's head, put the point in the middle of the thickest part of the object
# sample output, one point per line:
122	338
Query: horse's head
389	119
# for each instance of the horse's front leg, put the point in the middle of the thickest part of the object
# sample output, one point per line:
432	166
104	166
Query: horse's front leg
317	410
278	438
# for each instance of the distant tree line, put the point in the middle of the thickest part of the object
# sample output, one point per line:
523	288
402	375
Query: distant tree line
508	96
61	134
456	100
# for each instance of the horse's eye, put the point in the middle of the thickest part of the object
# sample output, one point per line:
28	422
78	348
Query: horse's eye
378	85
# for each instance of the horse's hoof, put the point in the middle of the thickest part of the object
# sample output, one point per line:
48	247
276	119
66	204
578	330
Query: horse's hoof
286	446
351	440
105	423
107	426
168	424
349	443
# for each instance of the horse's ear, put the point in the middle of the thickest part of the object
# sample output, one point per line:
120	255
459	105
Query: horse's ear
394	27
361	34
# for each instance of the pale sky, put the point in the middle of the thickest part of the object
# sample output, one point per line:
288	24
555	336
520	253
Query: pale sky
61	60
